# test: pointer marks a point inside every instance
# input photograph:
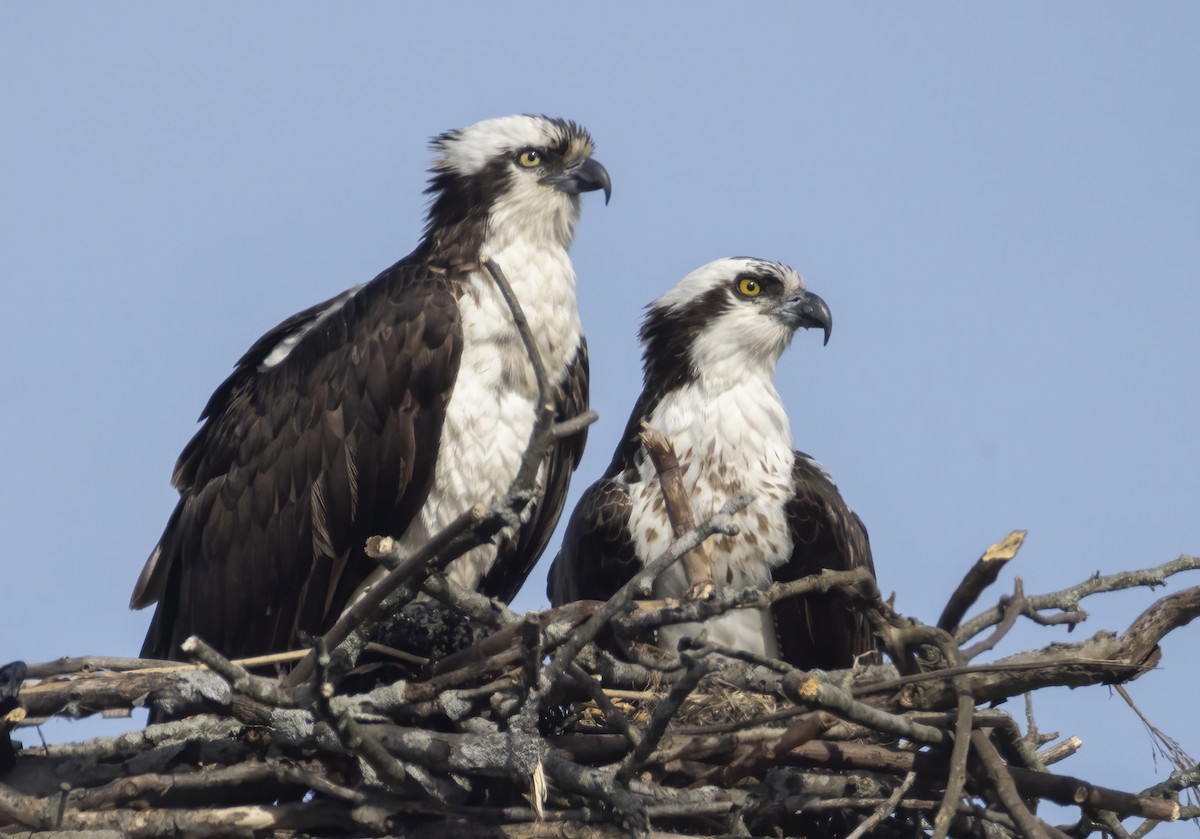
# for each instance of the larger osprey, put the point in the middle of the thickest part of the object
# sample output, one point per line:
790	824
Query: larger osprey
389	409
711	346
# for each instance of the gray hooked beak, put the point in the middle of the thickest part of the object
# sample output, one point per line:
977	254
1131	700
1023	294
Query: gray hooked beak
805	311
586	177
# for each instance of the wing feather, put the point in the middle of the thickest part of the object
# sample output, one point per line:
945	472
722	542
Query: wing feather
822	630
326	433
598	553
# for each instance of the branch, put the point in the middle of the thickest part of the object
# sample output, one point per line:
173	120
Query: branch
722	522
1068	599
663	714
982	574
885	809
655	614
1102	659
698	562
1006	790
964	718
266	691
802	688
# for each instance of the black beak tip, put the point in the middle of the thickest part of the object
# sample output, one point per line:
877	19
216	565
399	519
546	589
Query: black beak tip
600	175
812	312
590	176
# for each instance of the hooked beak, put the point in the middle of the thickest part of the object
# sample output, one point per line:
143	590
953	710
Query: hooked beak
586	177
806	311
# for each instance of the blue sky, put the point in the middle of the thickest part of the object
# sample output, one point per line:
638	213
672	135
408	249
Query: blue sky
1000	204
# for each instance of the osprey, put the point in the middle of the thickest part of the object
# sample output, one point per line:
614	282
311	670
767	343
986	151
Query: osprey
388	409
710	349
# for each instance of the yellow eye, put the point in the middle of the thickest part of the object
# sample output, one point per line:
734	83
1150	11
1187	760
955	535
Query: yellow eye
530	158
748	287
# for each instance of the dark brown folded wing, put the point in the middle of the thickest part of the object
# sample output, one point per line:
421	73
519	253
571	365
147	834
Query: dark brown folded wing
298	462
824	631
598	555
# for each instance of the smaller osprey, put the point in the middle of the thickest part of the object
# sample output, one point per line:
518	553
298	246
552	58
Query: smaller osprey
711	346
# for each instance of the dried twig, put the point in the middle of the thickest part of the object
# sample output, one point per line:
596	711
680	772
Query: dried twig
964	714
982	574
698	562
471	721
262	690
885	809
1006	790
1067	599
807	690
652	615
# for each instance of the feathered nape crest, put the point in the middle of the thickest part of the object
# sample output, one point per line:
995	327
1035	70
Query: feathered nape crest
468	150
470	169
668	333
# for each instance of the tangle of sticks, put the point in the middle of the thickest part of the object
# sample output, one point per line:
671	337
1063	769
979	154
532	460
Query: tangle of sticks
535	730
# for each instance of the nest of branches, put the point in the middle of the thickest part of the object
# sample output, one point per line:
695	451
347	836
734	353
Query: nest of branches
534	729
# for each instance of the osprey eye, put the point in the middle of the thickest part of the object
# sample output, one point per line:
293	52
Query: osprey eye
748	287
530	158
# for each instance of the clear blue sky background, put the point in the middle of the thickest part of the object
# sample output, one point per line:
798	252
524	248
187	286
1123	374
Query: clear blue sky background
999	202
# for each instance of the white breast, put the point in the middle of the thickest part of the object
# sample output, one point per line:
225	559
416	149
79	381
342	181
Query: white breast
492	409
735	438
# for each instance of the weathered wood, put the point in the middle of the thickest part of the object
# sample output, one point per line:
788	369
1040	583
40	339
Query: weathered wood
698	562
471	722
981	575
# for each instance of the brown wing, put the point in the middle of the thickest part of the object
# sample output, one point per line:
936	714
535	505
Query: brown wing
598	554
824	631
299	462
516	557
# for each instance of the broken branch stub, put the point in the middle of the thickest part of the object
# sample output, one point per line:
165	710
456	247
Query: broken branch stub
698	562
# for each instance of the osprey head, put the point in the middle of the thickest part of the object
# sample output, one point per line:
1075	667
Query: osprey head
512	177
730	318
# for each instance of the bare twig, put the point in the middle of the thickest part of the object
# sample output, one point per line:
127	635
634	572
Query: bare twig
1060	751
662	716
1103	658
1013	607
262	690
698	562
885	809
800	687
1064	789
1180	779
601	697
662	613
157	787
722	522
964	714
1067	599
451	542
982	574
1006	790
